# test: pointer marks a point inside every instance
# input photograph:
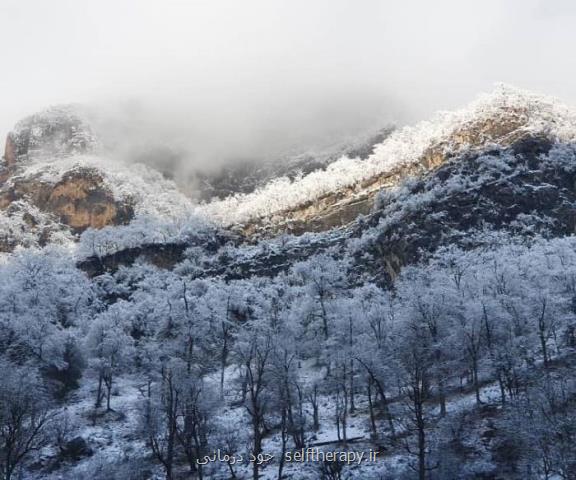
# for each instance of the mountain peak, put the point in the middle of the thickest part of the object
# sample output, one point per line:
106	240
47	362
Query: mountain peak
529	111
55	132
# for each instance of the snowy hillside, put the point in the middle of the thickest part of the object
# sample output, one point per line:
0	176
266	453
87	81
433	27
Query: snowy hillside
529	112
432	338
60	178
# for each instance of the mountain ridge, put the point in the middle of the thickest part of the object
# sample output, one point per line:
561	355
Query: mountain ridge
433	314
79	188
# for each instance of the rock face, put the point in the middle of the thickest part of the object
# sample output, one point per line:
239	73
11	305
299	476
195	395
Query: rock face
527	187
78	199
332	210
10	152
81	197
81	201
341	207
502	129
55	132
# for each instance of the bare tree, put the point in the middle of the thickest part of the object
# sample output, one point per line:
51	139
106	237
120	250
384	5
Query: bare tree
192	429
254	352
159	419
24	417
415	354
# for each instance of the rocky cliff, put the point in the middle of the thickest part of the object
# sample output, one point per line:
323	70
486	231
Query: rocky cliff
55	168
503	119
527	188
45	173
79	199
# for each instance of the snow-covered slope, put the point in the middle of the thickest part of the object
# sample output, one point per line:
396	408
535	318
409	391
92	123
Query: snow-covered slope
161	338
247	176
495	118
55	152
59	175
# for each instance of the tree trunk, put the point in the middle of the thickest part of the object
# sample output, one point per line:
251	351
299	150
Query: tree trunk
373	430
421	455
475	379
544	346
108	383
284	437
502	388
99	393
223	359
324	316
382	393
257	449
313	397
421	428
352	403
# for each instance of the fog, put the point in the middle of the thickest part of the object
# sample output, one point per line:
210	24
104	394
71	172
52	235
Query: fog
216	80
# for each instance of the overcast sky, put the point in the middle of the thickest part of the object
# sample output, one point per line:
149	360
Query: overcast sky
239	74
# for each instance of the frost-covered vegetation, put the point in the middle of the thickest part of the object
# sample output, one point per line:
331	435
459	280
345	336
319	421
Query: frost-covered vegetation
143	230
443	341
23	225
55	132
535	113
145	188
152	194
469	351
479	340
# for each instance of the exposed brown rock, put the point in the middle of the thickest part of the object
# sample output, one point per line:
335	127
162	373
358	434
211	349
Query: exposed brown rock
10	152
342	207
9	159
80	199
503	130
333	209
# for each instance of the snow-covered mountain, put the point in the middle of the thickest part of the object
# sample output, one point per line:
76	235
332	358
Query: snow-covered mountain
313	191
412	293
323	198
57	177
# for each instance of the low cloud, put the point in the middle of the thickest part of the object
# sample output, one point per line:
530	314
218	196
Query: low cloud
196	84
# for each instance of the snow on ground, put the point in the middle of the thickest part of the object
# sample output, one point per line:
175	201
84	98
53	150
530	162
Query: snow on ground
112	435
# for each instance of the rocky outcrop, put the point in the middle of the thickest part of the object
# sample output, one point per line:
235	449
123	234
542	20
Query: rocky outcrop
517	189
162	256
9	160
55	132
23	225
341	207
503	129
332	210
10	152
79	199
